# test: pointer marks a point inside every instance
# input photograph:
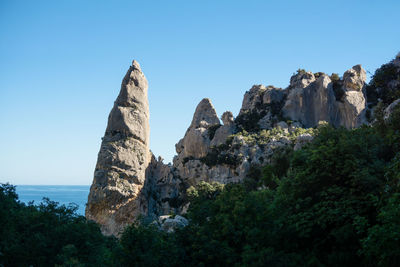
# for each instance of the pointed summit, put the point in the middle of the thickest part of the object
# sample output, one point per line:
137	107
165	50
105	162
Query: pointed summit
136	65
205	112
130	114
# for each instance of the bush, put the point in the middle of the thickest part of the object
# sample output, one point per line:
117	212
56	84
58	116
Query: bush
379	88
248	121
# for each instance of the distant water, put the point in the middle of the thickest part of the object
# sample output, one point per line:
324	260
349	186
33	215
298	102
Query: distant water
63	194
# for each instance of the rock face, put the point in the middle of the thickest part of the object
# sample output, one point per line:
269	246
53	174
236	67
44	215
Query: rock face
129	181
352	108
114	198
310	100
342	103
197	141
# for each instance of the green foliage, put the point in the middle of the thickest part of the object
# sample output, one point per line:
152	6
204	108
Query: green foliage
382	244
332	199
334	77
142	245
248	121
268	176
301	71
300	131
263	137
318	74
379	87
389	128
223	154
48	235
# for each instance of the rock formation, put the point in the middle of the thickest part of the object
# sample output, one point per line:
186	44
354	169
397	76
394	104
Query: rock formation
114	198
341	103
129	181
197	140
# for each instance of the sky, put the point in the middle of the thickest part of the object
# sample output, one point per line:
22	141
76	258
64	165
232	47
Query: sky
62	62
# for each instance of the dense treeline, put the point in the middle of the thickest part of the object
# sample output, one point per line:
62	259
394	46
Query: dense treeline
335	202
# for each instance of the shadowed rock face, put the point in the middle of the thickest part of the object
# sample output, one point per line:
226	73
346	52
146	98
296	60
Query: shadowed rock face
115	195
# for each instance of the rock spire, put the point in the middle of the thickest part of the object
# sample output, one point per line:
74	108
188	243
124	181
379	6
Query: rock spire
119	176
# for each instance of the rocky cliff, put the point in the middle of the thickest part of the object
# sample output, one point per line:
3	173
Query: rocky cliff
129	181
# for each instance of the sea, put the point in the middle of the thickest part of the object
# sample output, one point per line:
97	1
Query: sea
63	194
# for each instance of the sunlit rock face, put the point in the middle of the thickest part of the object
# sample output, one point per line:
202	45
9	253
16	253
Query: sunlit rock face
312	100
197	141
115	195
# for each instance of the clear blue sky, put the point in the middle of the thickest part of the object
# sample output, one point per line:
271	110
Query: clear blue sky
62	62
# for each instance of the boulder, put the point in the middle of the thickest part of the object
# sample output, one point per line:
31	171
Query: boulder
169	223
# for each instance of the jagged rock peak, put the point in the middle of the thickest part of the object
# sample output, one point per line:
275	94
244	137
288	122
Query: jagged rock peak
136	65
196	141
205	114
114	197
130	114
133	86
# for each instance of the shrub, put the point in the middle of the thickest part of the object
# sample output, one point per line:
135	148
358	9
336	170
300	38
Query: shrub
379	88
248	121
